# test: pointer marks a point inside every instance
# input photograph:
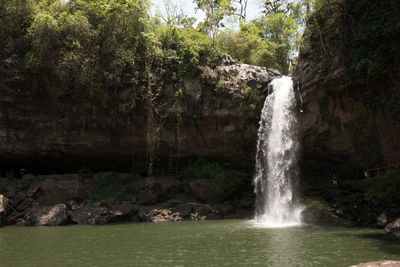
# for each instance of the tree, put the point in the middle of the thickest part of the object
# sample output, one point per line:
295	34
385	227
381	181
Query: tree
175	16
216	11
280	27
276	6
240	11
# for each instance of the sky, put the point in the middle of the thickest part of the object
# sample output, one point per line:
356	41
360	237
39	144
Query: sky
253	8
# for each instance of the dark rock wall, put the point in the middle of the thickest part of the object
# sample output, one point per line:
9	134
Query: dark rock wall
345	121
46	126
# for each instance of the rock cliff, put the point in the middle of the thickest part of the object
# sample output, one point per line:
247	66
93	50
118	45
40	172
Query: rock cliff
339	125
350	85
47	126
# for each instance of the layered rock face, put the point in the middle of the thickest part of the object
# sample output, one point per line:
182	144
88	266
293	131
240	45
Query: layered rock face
341	119
48	126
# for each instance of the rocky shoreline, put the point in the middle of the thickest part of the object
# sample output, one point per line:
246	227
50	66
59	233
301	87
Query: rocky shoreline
109	197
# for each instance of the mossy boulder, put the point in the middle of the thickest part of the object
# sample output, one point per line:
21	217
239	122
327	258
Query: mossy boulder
317	212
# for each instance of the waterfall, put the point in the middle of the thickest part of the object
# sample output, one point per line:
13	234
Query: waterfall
276	159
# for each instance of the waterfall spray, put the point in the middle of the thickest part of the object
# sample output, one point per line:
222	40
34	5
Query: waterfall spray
276	159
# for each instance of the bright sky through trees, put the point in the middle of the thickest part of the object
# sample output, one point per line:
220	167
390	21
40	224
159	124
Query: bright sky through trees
253	9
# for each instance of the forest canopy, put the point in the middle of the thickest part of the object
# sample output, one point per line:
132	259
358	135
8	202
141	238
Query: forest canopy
82	42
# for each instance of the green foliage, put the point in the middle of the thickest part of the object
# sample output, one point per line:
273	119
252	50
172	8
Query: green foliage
269	41
107	187
281	31
174	15
182	48
215	11
371	42
363	30
383	187
247	45
87	44
15	18
202	169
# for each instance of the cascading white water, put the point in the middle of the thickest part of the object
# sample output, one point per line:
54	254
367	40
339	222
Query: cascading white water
276	165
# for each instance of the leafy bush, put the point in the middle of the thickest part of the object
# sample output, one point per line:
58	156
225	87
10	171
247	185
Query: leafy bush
182	48
382	187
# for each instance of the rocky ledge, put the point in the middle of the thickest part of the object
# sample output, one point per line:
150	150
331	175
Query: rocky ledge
108	197
90	213
54	127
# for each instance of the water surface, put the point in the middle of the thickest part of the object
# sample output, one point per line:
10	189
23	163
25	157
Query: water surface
209	243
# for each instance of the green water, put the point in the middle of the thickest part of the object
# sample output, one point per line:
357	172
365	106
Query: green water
210	243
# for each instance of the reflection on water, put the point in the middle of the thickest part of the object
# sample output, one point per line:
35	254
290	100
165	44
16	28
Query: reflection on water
210	243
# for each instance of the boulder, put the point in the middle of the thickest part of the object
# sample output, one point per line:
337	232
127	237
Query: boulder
197	217
184	209
160	215
33	189
379	264
318	213
393	229
51	216
3	208
102	213
381	221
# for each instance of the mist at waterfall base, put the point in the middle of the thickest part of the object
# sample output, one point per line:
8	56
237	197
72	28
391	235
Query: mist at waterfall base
276	159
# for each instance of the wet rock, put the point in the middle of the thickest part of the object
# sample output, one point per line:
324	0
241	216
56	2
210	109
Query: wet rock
161	215
33	189
17	199
393	229
3	209
197	217
24	205
381	221
102	213
184	209
379	264
316	212
53	216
